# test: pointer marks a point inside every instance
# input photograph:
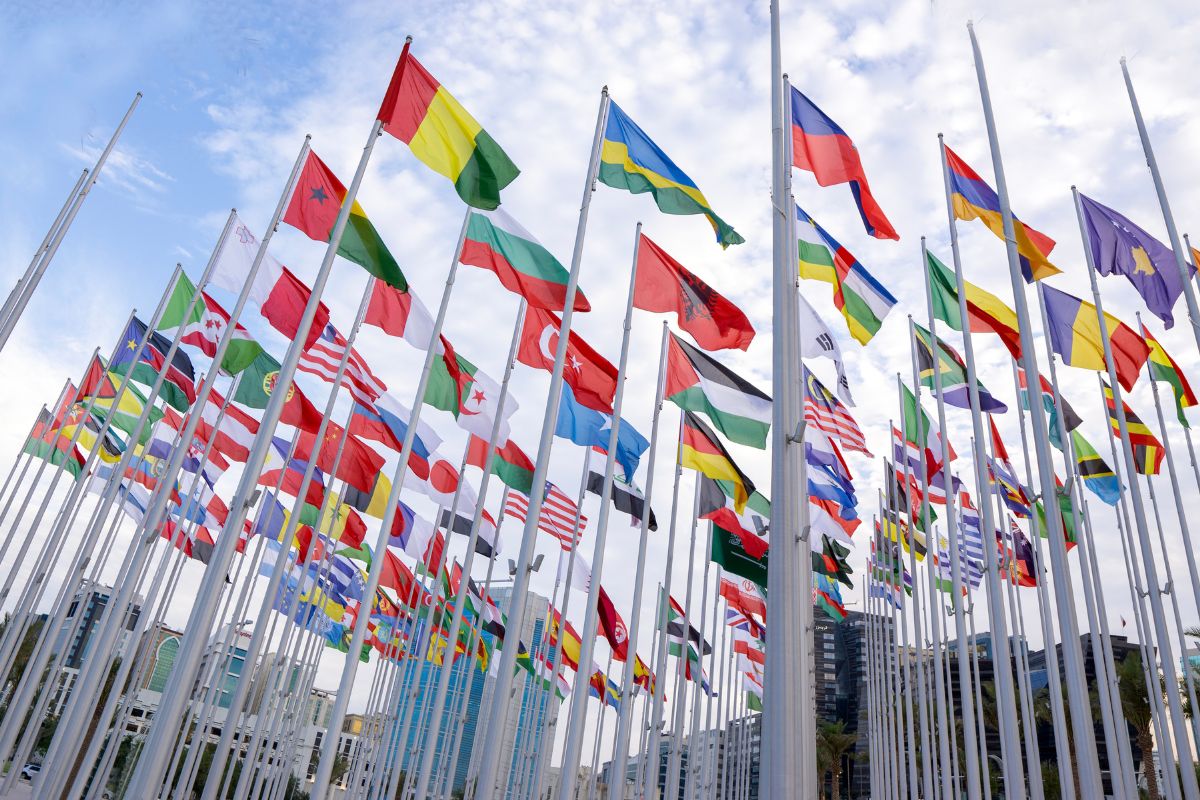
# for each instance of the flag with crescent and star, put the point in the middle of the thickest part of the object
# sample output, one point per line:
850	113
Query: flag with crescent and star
590	375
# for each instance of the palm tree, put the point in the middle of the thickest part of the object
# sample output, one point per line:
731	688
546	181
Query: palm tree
1135	703
833	744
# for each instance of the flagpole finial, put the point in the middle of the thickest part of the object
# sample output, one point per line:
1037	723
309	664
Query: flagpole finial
138	94
604	90
408	40
1124	63
308	137
1073	189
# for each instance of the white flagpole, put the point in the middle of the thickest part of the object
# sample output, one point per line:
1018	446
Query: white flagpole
1077	694
690	785
16	291
1185	277
625	712
154	757
23	291
681	663
489	761
569	771
425	771
953	536
712	761
1166	652
660	658
984	763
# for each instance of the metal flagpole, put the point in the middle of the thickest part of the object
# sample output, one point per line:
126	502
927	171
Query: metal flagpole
595	772
954	535
1185	277
713	762
984	766
905	784
1005	700
693	762
493	739
569	771
16	291
647	706
439	699
939	686
912	673
1077	692
1058	714
23	291
1091	580
1190	789
546	722
660	658
625	710
681	663
709	740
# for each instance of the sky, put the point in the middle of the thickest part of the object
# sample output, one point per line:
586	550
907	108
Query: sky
230	90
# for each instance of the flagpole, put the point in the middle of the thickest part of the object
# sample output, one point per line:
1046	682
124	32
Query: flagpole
903	714
693	776
954	535
439	699
18	288
939	686
625	711
973	656
647	706
711	762
681	664
569	771
1175	706
709	744
660	625
20	295
1185	277
897	776
546	722
489	761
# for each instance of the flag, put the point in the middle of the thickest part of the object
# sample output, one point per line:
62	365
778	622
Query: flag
1163	368
1071	420
557	517
487	543
469	394
820	146
679	629
49	444
288	474
817	341
1066	513
1147	449
702	451
744	595
863	301
729	553
591	377
986	313
124	411
625	496
664	285
828	598
280	296
411	532
316	202
325	354
509	463
1095	473
256	385
612	626
569	636
695	381
590	428
542	671
717	506
179	384
1119	247
1077	337
581	571
827	414
68	419
497	242
629	160
400	314
922	431
603	689
419	111
972	198
831	561
953	369
205	326
386	421
359	464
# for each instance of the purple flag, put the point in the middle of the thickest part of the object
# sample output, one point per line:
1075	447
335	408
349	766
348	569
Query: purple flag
1122	248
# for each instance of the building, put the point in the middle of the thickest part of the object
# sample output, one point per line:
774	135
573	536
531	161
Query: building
232	656
825	666
743	754
84	616
852	672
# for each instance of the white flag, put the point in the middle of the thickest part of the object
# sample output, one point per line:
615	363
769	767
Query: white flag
816	340
581	571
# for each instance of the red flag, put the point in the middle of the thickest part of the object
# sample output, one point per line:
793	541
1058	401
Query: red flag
665	285
591	377
612	626
359	463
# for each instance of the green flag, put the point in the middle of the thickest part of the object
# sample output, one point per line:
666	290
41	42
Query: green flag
727	550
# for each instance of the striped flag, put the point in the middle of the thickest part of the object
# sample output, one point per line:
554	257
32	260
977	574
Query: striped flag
557	517
323	357
829	415
1147	449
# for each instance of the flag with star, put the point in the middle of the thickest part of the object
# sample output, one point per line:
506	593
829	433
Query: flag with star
205	325
458	386
314	209
179	384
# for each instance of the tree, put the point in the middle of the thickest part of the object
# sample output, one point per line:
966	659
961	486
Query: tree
1136	705
833	744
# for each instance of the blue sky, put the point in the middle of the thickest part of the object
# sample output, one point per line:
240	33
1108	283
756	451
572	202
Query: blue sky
230	90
